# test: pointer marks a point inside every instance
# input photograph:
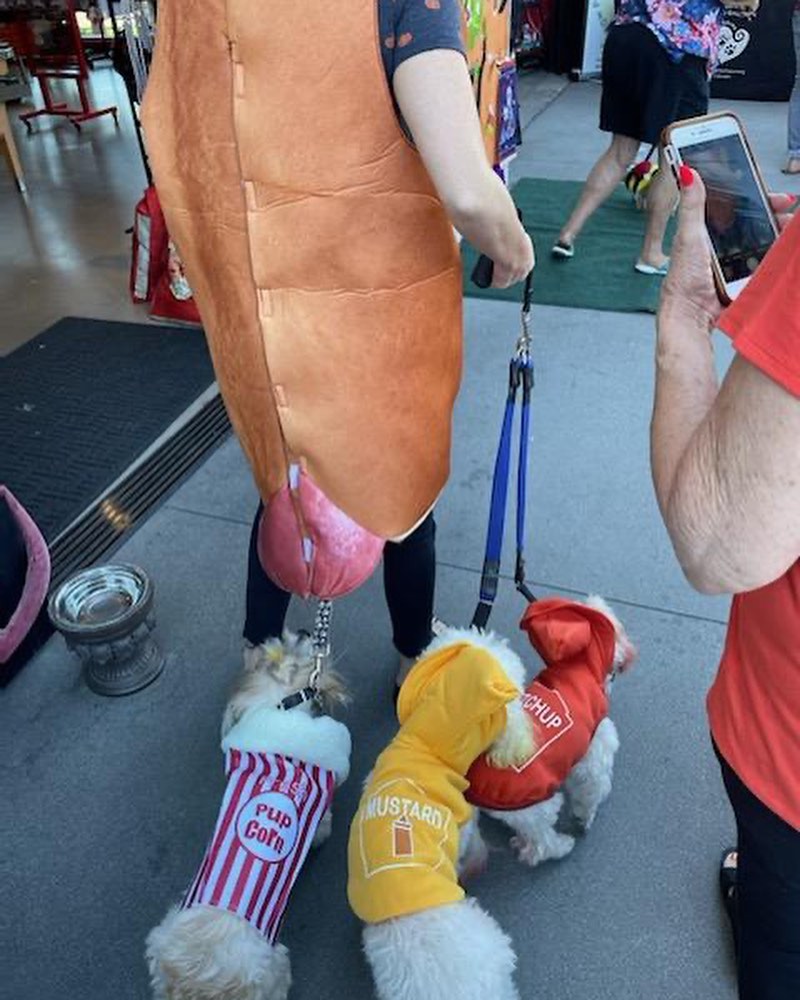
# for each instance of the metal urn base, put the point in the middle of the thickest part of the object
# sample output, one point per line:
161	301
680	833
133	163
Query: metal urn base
106	617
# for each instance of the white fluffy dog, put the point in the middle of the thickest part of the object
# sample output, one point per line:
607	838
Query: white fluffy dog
414	831
584	647
283	760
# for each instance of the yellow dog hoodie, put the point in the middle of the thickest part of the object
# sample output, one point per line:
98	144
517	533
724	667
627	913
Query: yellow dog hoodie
403	844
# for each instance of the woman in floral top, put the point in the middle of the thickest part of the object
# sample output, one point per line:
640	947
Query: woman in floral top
657	60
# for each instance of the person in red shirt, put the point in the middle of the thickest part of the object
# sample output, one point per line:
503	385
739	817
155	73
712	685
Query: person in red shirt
726	470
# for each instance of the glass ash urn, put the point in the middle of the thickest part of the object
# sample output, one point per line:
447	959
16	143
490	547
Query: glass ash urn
106	617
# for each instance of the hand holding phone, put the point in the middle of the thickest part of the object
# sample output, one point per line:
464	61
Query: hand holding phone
740	222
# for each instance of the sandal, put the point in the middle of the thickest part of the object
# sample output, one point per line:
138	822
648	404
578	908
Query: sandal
641	268
727	885
563	250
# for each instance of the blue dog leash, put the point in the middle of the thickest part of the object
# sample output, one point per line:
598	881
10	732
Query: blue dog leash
520	376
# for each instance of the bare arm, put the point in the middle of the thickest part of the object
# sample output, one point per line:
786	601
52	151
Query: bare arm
726	463
435	97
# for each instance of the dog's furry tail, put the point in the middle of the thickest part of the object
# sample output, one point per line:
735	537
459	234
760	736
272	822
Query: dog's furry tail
450	951
205	953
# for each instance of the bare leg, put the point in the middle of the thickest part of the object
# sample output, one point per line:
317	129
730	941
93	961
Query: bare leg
604	176
661	197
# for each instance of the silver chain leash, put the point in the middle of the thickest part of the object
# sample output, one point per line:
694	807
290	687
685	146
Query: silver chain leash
320	640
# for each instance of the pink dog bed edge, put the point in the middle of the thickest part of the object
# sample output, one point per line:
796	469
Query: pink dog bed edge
37	578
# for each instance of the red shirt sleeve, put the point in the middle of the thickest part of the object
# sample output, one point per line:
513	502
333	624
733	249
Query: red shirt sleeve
764	321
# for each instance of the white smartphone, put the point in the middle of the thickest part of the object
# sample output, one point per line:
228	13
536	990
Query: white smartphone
740	222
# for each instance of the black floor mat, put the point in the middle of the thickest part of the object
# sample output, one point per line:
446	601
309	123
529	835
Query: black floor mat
83	400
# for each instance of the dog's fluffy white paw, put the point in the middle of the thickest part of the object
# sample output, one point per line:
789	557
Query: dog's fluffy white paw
534	852
584	819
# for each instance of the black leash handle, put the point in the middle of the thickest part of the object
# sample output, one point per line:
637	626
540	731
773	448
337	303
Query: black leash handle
483	272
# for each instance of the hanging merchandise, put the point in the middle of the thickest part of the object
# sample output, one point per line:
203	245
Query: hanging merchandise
487	37
756	57
474	27
509	130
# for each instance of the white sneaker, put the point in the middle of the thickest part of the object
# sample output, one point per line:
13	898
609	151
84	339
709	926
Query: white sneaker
563	250
641	268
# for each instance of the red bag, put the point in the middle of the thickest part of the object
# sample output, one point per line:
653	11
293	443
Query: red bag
157	274
172	297
150	241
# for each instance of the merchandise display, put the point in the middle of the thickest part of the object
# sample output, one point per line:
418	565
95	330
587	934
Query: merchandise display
487	35
756	56
47	37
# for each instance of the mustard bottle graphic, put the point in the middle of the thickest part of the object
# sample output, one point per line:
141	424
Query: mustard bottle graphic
403	837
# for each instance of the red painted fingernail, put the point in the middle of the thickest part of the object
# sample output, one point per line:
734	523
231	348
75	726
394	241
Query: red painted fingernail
686	175
792	198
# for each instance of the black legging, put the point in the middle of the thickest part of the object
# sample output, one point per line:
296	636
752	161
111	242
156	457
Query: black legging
409	577
767	897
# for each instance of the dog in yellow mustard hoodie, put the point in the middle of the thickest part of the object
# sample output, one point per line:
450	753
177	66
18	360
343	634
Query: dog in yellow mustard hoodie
415	832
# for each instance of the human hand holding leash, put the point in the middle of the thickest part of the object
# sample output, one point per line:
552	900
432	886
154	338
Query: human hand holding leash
511	268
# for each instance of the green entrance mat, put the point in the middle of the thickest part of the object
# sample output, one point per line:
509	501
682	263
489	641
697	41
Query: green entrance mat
601	274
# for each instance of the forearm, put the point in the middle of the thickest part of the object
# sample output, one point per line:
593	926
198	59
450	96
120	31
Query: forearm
724	458
435	96
681	442
487	218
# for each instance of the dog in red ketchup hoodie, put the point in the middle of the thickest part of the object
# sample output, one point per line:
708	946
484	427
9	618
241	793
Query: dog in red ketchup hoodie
584	647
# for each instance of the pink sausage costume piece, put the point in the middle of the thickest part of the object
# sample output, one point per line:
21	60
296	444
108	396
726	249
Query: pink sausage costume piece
273	804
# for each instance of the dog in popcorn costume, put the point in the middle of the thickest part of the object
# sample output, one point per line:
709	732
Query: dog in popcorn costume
415	833
283	761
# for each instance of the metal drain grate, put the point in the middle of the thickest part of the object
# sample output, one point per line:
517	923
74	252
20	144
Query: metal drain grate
114	515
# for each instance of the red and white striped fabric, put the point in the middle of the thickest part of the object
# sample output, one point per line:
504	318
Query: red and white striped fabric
269	814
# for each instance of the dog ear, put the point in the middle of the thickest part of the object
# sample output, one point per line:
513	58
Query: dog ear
332	691
625	651
517	743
